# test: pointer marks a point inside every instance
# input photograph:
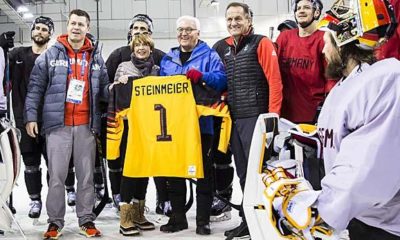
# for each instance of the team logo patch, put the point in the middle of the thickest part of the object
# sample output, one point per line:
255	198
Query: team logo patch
192	170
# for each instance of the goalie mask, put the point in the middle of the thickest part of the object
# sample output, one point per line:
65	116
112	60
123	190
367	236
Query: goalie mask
369	22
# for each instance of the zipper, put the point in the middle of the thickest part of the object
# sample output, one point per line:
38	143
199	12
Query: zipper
90	63
76	77
233	73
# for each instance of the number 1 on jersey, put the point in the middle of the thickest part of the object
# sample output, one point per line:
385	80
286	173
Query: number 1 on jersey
163	123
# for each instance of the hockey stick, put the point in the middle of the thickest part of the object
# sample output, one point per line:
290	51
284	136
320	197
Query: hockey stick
105	199
8	108
190	201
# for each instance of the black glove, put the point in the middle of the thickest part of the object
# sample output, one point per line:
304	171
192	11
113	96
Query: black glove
3	113
7	40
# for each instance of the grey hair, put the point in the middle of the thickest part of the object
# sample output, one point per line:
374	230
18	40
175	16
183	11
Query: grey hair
189	18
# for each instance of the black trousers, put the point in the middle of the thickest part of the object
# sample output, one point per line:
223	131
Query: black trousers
361	231
242	133
223	170
133	188
204	189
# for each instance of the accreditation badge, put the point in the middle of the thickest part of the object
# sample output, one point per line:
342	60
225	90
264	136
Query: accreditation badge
75	91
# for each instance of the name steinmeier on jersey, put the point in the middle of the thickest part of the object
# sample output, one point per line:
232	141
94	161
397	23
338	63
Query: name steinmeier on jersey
160	89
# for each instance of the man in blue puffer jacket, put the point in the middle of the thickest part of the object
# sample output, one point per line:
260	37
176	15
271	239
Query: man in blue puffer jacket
202	65
64	90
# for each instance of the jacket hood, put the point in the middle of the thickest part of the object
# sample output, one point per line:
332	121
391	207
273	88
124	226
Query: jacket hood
87	45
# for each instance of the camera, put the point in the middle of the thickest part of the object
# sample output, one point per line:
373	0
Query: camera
7	40
9	35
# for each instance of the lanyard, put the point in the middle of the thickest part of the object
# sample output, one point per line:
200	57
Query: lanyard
76	62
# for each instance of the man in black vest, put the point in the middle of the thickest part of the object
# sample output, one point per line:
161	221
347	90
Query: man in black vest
254	87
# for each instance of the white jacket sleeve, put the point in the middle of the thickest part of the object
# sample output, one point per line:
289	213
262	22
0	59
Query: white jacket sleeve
364	178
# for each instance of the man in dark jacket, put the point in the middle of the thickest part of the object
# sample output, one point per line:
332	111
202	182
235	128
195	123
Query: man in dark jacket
69	79
21	63
254	87
140	24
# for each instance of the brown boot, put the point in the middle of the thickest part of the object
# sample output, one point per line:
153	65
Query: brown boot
126	226
138	216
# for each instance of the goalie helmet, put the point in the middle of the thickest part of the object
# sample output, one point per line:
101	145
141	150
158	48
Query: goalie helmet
369	22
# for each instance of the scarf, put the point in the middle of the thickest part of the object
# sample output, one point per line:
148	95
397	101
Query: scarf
143	65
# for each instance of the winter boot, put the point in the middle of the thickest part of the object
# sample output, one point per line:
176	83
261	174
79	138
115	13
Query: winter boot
126	226
203	229
138	216
36	209
176	223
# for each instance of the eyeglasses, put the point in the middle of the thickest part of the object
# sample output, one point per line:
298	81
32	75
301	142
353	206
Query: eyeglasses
187	30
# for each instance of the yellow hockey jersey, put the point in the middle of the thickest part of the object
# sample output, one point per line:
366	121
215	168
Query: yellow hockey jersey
164	132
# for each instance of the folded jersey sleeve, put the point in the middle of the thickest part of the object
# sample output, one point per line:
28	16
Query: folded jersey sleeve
115	124
220	110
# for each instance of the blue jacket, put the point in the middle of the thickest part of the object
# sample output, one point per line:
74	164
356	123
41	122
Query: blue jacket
207	61
47	89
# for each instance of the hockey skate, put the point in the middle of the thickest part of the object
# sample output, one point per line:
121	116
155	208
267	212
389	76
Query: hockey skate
220	211
164	208
71	200
240	232
99	195
34	212
116	201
